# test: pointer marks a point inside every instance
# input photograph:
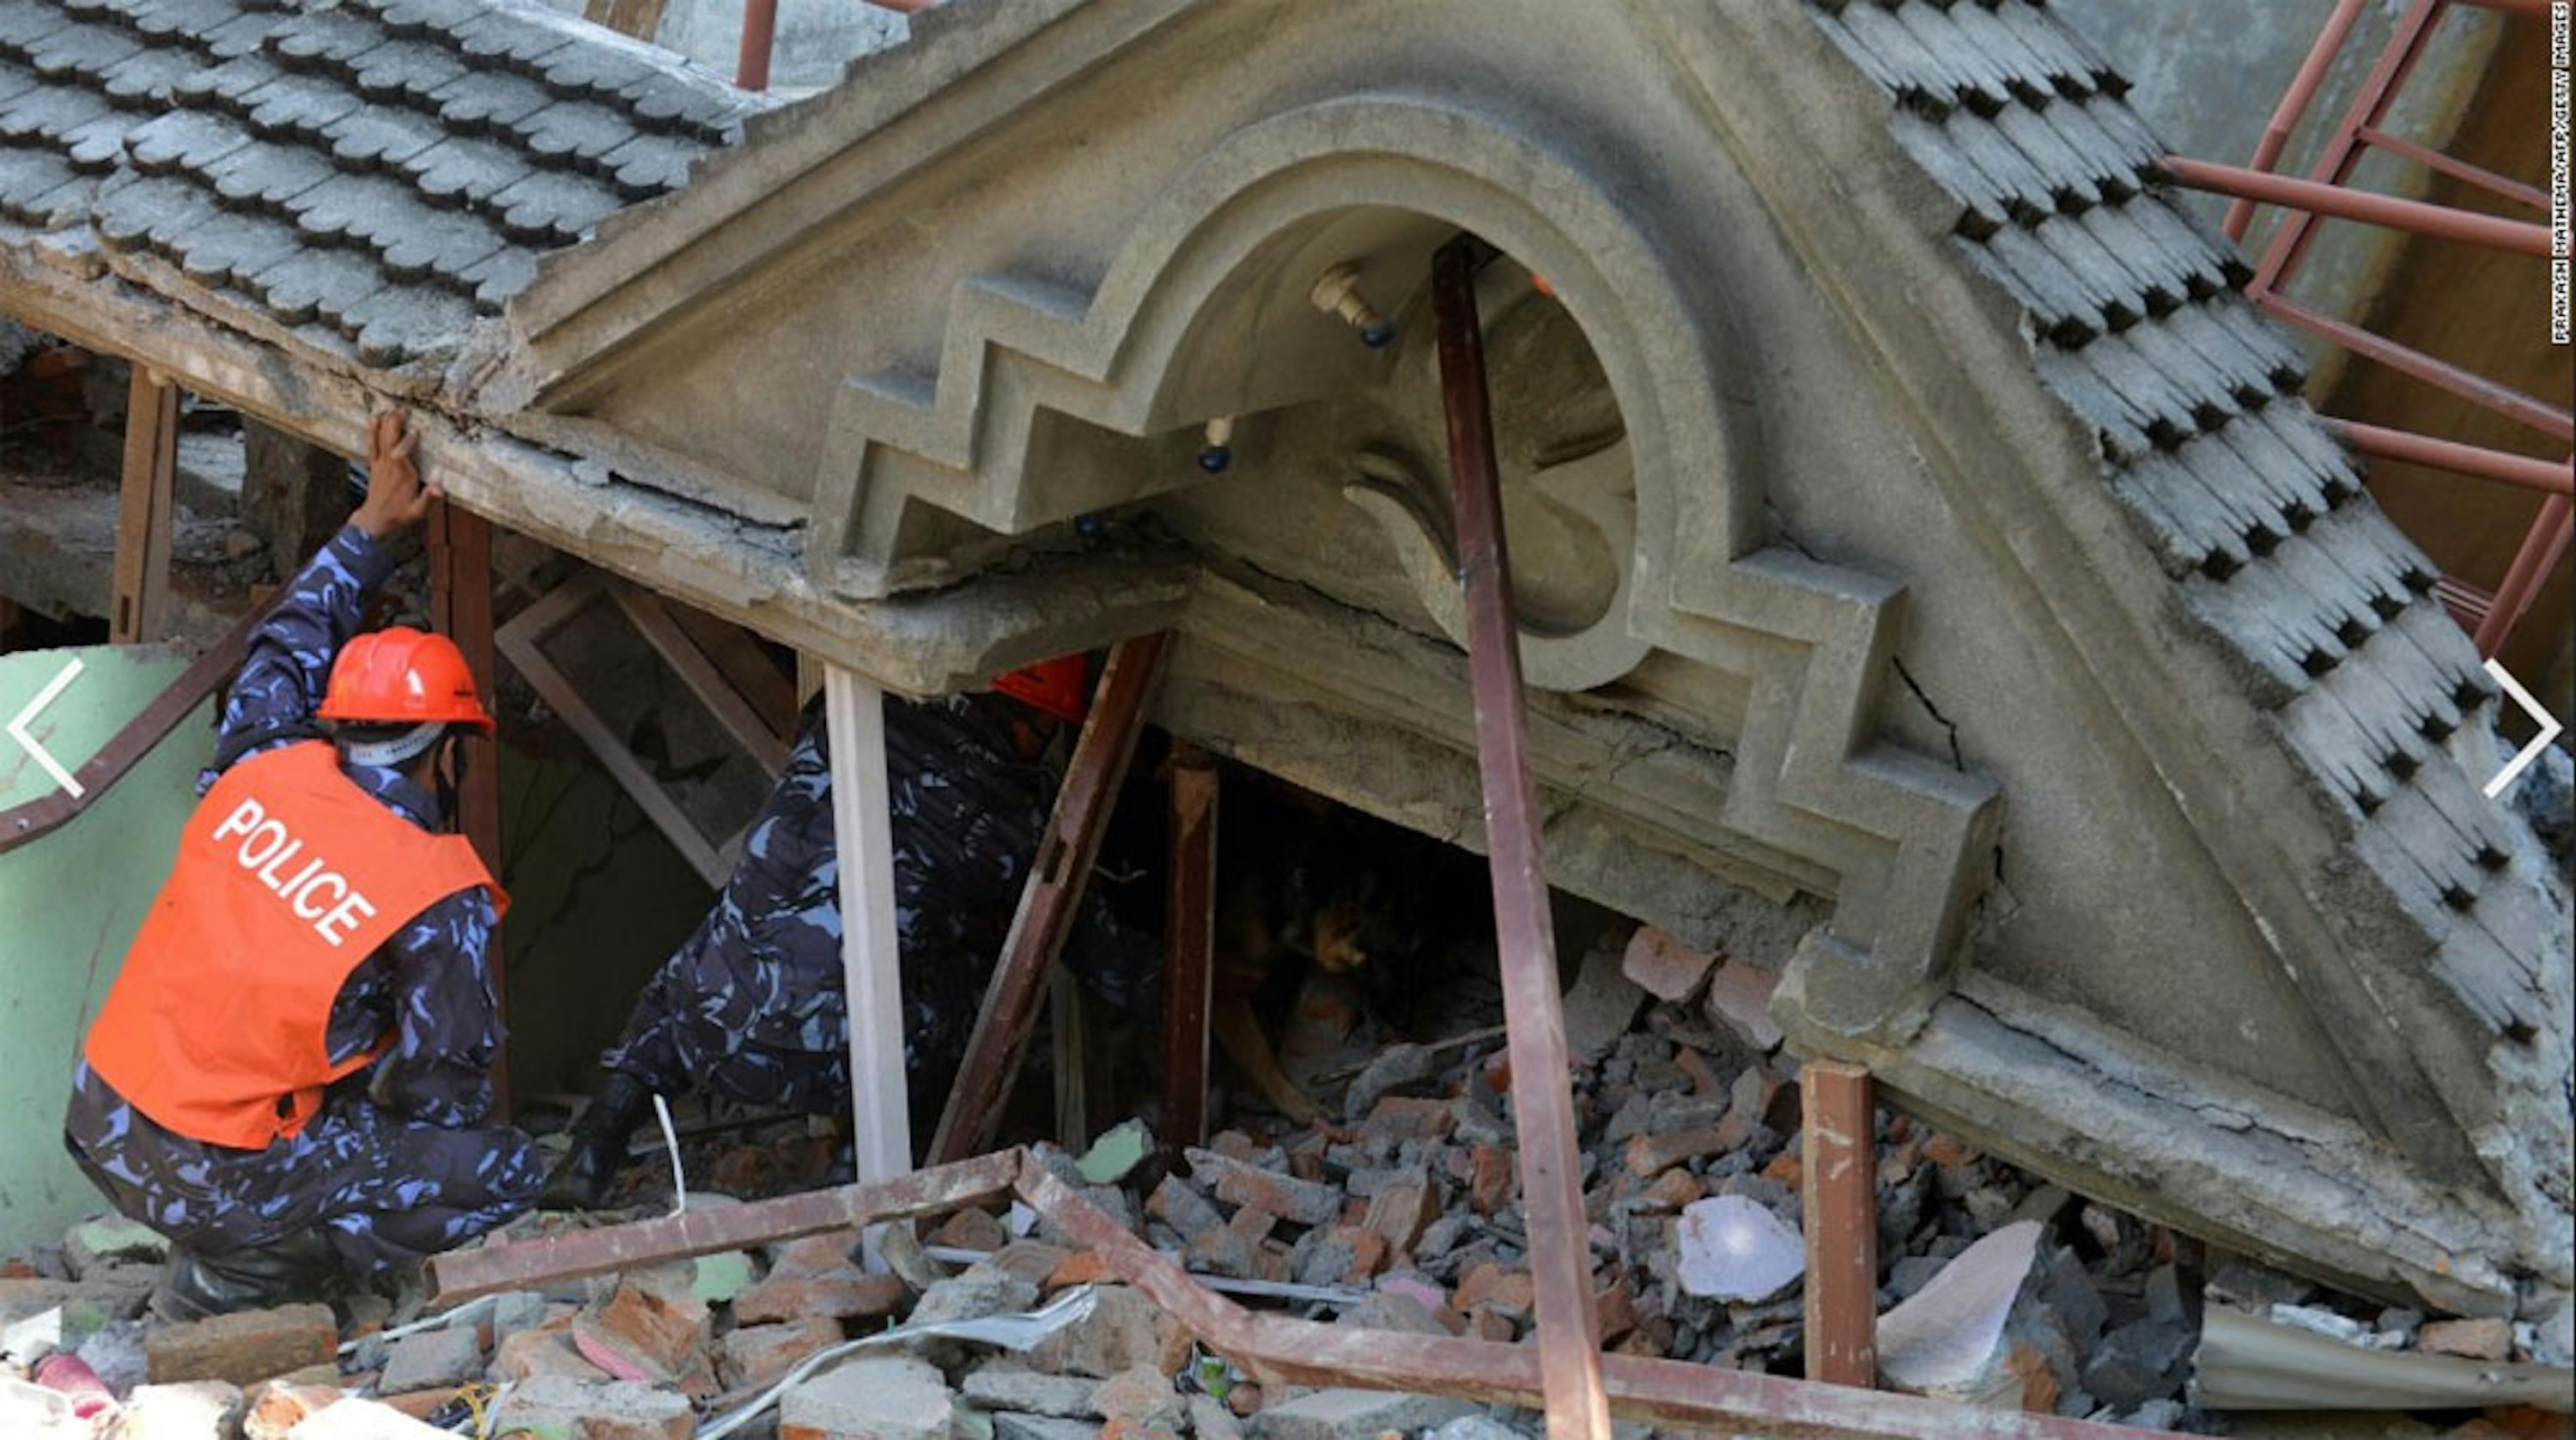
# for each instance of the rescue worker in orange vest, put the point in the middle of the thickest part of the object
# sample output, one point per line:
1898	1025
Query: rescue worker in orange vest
290	1076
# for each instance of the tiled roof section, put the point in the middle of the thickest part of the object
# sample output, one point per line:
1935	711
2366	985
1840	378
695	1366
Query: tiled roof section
2246	501
376	173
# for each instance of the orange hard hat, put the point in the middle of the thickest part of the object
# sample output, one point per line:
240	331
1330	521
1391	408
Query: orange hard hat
400	676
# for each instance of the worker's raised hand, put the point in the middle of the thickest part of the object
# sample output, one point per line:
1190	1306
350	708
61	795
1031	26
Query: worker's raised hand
396	498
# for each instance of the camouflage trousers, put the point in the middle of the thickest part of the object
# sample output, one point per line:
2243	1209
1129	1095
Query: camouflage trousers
386	1192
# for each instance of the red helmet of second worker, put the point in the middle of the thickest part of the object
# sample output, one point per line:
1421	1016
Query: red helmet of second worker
401	676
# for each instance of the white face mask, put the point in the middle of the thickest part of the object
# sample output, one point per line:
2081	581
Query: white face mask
393	752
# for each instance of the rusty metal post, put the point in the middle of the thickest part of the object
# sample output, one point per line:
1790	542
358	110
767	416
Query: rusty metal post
571	1254
2543	546
1189	946
1841	1162
1542	1099
1051	898
460	608
144	502
751	57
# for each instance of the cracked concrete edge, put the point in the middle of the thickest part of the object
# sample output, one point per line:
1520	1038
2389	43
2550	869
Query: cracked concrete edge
2049	1089
717	562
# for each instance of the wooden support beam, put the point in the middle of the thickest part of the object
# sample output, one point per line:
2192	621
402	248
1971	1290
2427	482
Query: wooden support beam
1051	899
1841	1162
1551	1158
871	979
1189	946
460	608
1081	1061
142	586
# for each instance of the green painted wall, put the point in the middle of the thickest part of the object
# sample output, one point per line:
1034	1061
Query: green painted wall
70	903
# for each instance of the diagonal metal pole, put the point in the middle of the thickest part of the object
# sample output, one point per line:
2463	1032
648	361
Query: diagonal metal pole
1578	1408
1050	900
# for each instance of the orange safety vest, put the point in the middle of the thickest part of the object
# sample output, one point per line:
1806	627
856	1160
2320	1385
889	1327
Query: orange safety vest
288	876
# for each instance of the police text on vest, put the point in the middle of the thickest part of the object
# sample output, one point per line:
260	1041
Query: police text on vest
316	892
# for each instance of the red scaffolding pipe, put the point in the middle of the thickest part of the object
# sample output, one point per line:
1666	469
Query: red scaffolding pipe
2476	461
751	59
2439	221
2294	104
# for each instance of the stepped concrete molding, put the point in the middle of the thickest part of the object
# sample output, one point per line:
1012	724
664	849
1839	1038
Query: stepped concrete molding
1933	585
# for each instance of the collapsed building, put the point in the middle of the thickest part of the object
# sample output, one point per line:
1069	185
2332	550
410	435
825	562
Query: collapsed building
1933	587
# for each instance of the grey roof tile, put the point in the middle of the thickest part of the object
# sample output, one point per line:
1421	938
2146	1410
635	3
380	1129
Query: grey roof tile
404	69
184	139
377	136
550	208
461	169
481	101
373	172
23	22
317	284
265	174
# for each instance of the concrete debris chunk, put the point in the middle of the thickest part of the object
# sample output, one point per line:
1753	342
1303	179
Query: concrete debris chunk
2137	1363
1355	1415
1123	1330
1948	1340
1013	1425
1001	1385
432	1359
617	1410
196	1410
869	1397
1306	1202
753	1357
1139	1397
354	1418
1394	1068
1735	1249
1602	1005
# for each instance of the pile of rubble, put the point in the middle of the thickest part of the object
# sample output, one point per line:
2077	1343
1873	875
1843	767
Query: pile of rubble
1403	1215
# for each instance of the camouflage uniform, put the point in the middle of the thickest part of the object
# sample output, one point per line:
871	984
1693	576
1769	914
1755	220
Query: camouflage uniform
751	1005
398	1164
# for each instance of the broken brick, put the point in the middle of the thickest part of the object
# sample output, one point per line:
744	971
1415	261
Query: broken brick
1490	1284
242	1348
1739	999
658	1332
1368	1253
1788	1169
531	1353
972	1229
845	1294
278	1407
1303	1201
824	1254
1703	1080
2487	1339
1403	1210
1650	1155
1673	1189
1080	1267
1663	966
1494	1181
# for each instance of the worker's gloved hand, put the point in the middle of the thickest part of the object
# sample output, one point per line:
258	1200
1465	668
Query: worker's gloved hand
396	498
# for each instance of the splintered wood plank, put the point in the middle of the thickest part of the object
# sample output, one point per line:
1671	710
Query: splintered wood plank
142	590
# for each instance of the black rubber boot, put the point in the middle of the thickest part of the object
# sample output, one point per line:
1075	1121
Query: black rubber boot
599	1141
196	1286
